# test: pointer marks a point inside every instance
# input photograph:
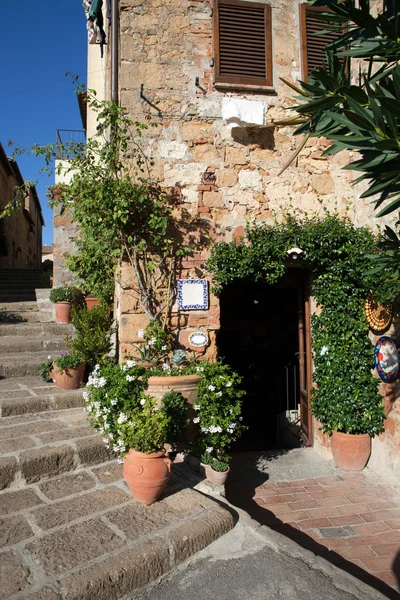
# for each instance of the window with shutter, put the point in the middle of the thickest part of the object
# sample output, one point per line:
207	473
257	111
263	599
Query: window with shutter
242	43
313	46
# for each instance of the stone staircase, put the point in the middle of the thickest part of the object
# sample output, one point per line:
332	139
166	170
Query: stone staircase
18	285
69	528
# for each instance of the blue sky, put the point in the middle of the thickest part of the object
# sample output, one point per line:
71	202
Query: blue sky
40	41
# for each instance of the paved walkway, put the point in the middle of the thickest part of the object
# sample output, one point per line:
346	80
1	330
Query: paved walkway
351	519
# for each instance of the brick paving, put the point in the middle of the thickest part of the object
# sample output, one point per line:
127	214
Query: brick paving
351	519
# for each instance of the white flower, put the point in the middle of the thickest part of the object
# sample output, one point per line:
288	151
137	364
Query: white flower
140	334
215	429
232	425
130	363
204	430
199	369
166	367
122	419
219	394
114	401
85	395
197	407
96	368
196	420
130	378
120	460
228	384
240	418
152	341
163	347
324	350
209	449
49	357
143	401
211	388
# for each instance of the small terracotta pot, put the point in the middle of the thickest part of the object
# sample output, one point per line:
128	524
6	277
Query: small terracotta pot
350	451
215	477
146	474
69	379
90	302
146	364
63	312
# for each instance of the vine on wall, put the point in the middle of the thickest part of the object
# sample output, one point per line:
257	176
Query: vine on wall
346	396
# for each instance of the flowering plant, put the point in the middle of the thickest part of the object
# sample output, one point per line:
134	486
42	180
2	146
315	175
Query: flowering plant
127	417
218	414
157	342
68	360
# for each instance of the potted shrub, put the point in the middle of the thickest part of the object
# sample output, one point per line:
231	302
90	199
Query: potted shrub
68	370
92	338
218	419
133	425
64	298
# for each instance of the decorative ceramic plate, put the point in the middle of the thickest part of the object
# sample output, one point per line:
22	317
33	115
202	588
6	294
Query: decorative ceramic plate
379	316
192	294
386	358
198	339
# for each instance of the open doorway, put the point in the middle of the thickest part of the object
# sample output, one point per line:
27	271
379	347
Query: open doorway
264	336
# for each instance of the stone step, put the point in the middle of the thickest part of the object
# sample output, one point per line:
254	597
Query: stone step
30	330
20	343
25	296
82	535
26	395
15	365
35	447
15	315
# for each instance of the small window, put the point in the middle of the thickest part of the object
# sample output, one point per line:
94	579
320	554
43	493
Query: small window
313	46
242	43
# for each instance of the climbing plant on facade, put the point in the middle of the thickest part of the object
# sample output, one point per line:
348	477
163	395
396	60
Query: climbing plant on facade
338	255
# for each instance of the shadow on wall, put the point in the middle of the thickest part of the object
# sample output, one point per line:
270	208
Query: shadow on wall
263	137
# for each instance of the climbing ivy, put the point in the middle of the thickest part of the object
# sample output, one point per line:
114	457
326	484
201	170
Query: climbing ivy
345	396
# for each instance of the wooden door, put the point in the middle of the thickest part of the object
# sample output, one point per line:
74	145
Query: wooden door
305	364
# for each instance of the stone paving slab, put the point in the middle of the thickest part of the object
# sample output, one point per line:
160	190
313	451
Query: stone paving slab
37	343
352	519
35	329
76	537
44	445
14	365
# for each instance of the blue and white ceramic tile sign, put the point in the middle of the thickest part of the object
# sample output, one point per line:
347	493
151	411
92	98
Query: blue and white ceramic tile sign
386	358
192	294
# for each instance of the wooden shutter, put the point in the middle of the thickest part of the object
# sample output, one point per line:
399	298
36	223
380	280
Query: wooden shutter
242	42
313	46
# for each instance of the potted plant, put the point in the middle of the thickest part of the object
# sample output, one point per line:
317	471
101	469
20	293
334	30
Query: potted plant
64	298
92	336
134	425
68	370
218	419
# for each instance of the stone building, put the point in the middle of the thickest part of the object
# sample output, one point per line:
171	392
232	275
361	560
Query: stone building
21	232
210	72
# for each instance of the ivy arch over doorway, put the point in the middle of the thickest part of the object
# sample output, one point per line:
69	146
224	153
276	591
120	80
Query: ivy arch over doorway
345	396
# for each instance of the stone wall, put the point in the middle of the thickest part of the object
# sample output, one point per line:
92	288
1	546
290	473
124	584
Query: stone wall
23	228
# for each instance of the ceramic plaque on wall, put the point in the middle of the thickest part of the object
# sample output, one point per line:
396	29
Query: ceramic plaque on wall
192	294
386	358
198	339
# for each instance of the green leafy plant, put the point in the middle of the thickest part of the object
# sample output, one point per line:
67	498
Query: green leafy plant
218	412
179	358
157	342
93	332
67	294
173	404
68	360
45	370
346	395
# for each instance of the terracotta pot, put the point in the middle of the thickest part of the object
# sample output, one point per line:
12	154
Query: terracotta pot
63	312
350	451
147	364
215	477
186	385
146	474
69	379
90	302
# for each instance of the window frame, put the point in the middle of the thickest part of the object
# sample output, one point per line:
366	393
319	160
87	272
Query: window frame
240	81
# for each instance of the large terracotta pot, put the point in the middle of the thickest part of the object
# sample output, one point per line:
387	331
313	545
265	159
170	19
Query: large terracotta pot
186	385
63	312
69	379
90	302
146	474
350	451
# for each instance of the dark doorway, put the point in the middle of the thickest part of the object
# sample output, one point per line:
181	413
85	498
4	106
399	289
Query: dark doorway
259	338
